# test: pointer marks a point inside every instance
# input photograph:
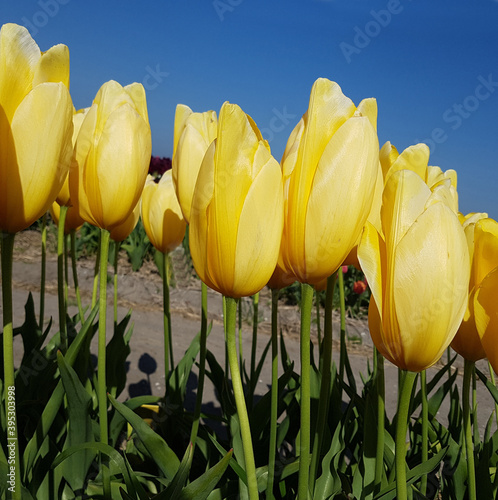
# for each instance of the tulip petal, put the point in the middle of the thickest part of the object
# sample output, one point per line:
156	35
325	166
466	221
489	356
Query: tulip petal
414	158
181	115
42	130
368	108
485	248
122	158
372	257
387	156
53	66
261	220
346	171
431	276
486	316
18	57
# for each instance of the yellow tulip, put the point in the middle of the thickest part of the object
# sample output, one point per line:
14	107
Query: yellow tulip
194	132
35	127
418	270
161	214
236	217
467	342
330	168
112	155
122	231
73	219
486	293
416	158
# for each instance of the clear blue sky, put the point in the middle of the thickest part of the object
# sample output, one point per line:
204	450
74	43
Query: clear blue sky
433	66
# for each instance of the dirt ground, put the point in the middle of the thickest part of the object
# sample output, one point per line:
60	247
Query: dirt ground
142	292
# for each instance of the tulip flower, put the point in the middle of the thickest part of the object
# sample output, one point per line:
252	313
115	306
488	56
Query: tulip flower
235	230
35	154
467	342
485	310
112	155
161	214
120	232
35	127
418	272
194	132
237	206
73	220
330	168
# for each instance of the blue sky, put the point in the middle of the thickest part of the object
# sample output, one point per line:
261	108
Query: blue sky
433	66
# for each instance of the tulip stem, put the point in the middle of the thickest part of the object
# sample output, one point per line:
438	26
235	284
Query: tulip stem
116	258
318	322
245	431
96	272
7	245
168	342
425	428
61	280
381	405
255	302
305	430
492	377
43	268
202	365
274	394
74	263
342	305
404	400
326	371
471	473
102	381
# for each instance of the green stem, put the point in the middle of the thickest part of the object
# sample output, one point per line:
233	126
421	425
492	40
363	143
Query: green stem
425	429
326	371
381	405
66	270
475	423
255	316
274	394
318	322
241	356
471	473
168	346
61	280
404	399
202	365
7	245
342	305
74	263
492	377
245	431
116	256
102	381
96	272
305	431
43	269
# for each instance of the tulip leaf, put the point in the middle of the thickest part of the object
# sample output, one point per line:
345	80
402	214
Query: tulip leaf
413	475
157	448
490	386
203	485
52	407
117	350
174	489
79	424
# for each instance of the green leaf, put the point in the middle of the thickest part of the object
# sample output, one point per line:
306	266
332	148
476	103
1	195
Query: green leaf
156	446
175	487
53	405
490	386
117	350
202	486
79	424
